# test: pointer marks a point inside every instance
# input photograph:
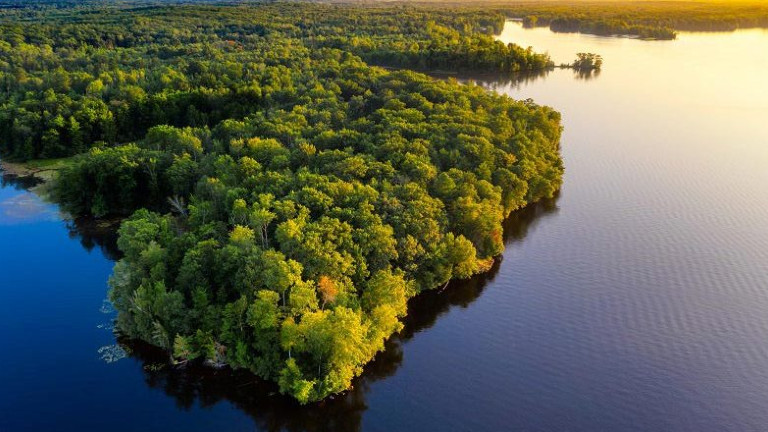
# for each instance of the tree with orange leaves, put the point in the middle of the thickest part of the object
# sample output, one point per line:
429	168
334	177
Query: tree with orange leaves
327	289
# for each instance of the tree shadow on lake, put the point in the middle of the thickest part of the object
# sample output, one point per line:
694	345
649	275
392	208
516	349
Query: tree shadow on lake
93	233
197	385
495	81
501	83
586	74
18	182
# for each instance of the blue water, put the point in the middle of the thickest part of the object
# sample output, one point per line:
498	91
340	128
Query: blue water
54	320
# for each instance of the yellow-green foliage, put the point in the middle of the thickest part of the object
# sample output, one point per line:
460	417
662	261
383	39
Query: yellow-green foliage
86	75
291	198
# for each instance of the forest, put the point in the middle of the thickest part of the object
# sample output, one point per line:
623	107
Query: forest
74	75
284	198
82	77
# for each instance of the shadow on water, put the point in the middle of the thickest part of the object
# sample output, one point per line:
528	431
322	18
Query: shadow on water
494	80
270	411
18	182
515	81
586	74
92	233
490	80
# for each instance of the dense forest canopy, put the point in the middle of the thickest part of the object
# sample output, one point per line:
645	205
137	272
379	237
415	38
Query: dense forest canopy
286	197
74	78
78	74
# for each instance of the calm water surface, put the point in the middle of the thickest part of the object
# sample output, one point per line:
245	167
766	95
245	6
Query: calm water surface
636	301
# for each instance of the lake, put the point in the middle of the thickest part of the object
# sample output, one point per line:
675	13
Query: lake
637	300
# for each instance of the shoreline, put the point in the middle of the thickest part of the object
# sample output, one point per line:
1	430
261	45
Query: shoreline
15	169
155	358
40	170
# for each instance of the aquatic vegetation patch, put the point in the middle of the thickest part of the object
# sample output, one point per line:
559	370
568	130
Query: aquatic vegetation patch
112	353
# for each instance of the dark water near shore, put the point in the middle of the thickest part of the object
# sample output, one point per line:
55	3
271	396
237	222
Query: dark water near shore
635	301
